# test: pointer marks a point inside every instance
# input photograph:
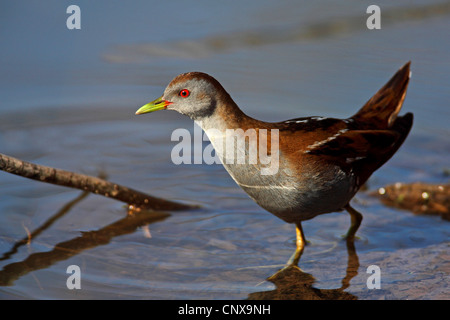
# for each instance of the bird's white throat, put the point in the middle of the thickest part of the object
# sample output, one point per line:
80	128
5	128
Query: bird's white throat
246	147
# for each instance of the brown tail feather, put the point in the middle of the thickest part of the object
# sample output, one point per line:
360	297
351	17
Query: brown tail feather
382	109
402	125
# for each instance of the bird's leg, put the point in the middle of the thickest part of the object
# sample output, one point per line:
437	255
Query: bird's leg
295	258
356	219
300	245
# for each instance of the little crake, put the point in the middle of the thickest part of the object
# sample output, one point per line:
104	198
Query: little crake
322	161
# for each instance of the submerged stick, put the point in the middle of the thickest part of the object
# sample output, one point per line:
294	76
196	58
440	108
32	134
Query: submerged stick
68	249
83	182
32	235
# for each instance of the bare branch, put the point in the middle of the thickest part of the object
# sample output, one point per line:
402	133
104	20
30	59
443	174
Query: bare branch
87	183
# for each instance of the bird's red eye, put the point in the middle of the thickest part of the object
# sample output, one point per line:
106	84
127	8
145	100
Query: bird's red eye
184	93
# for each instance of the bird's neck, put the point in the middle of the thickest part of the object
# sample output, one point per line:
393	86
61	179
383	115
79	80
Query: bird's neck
226	115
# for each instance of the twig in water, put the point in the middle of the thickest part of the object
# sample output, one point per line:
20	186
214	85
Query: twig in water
134	198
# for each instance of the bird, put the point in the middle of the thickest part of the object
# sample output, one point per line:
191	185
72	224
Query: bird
320	162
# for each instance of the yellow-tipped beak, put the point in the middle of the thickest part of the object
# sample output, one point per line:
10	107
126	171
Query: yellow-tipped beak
155	105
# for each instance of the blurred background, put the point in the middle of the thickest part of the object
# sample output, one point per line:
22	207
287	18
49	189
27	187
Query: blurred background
68	99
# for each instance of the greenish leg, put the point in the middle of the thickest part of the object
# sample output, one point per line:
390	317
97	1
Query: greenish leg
356	219
300	245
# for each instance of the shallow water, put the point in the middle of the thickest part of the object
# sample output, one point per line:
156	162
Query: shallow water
70	102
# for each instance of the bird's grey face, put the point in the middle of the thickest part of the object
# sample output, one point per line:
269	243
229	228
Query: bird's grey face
191	95
195	98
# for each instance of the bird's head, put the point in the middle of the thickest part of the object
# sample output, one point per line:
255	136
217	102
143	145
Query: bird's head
194	94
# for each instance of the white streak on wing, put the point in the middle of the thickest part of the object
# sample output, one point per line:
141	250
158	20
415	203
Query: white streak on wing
306	120
298	121
266	187
319	143
350	160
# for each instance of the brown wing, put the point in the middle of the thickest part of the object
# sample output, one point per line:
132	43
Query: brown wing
356	144
366	150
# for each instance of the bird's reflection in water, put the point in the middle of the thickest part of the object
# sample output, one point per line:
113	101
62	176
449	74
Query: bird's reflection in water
290	282
294	284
